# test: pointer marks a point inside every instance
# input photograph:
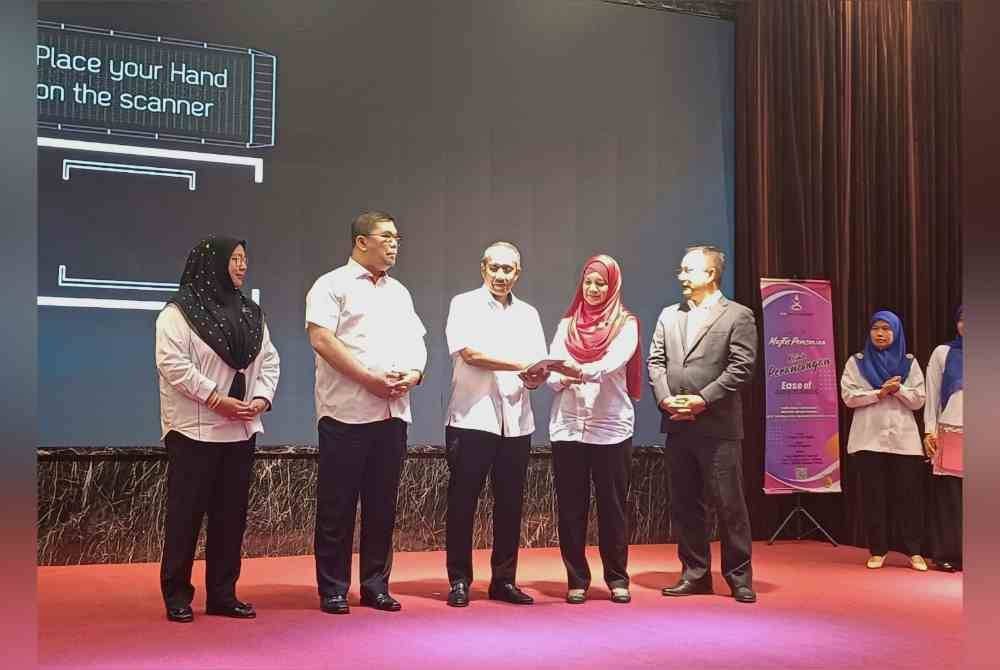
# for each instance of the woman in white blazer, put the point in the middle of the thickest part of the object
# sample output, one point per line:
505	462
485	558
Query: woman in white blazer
884	386
218	373
592	424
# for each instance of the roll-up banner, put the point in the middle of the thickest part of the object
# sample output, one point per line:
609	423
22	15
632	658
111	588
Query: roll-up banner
802	443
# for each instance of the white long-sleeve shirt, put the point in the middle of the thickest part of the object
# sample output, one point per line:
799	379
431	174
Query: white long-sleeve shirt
698	314
374	318
599	410
495	402
190	370
885	425
933	413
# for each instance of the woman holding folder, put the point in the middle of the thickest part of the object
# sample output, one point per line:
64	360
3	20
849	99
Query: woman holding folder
592	424
943	444
884	386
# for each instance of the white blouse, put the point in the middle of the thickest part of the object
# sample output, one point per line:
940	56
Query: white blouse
599	410
885	425
190	370
933	414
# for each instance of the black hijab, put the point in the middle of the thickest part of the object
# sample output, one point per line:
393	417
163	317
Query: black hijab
218	311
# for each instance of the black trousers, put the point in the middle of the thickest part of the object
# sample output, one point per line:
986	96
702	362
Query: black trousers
357	460
700	465
892	487
946	520
210	478
574	464
472	455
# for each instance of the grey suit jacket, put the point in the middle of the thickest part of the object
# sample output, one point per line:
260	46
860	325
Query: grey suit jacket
719	362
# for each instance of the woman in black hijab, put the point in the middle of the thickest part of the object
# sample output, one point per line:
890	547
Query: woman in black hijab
218	373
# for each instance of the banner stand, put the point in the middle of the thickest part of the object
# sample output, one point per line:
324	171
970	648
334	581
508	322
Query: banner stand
801	398
799	509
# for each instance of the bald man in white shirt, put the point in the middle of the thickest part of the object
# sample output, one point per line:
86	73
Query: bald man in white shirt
492	337
370	353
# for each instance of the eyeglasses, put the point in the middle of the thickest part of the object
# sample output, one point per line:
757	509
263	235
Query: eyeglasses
387	237
238	260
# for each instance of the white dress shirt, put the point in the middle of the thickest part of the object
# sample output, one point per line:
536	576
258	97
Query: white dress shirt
598	411
495	402
697	315
885	425
374	318
190	370
933	414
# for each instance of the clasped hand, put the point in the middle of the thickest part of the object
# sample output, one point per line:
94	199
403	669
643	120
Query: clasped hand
392	384
231	408
890	387
683	407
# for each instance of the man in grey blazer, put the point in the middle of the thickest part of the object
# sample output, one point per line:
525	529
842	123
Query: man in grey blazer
703	353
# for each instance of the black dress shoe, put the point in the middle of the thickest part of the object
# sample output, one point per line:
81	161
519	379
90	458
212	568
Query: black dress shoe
180	614
948	566
237	610
459	595
744	594
334	604
509	593
686	587
381	601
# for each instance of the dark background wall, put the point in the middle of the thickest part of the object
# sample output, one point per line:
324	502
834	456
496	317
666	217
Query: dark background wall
568	127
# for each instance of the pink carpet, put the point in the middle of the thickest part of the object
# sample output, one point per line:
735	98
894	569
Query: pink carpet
818	607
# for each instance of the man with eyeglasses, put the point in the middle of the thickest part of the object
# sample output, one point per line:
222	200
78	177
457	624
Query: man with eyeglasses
492	338
702	356
370	353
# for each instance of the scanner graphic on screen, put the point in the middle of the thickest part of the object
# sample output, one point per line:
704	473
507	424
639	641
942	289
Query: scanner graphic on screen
115	107
132	85
117	285
102	91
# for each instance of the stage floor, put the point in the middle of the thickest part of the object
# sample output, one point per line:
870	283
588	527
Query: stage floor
818	607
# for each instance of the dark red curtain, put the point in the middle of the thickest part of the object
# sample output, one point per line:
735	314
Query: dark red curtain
847	169
937	33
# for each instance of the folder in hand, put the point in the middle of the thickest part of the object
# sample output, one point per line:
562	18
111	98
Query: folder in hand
950	443
542	366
